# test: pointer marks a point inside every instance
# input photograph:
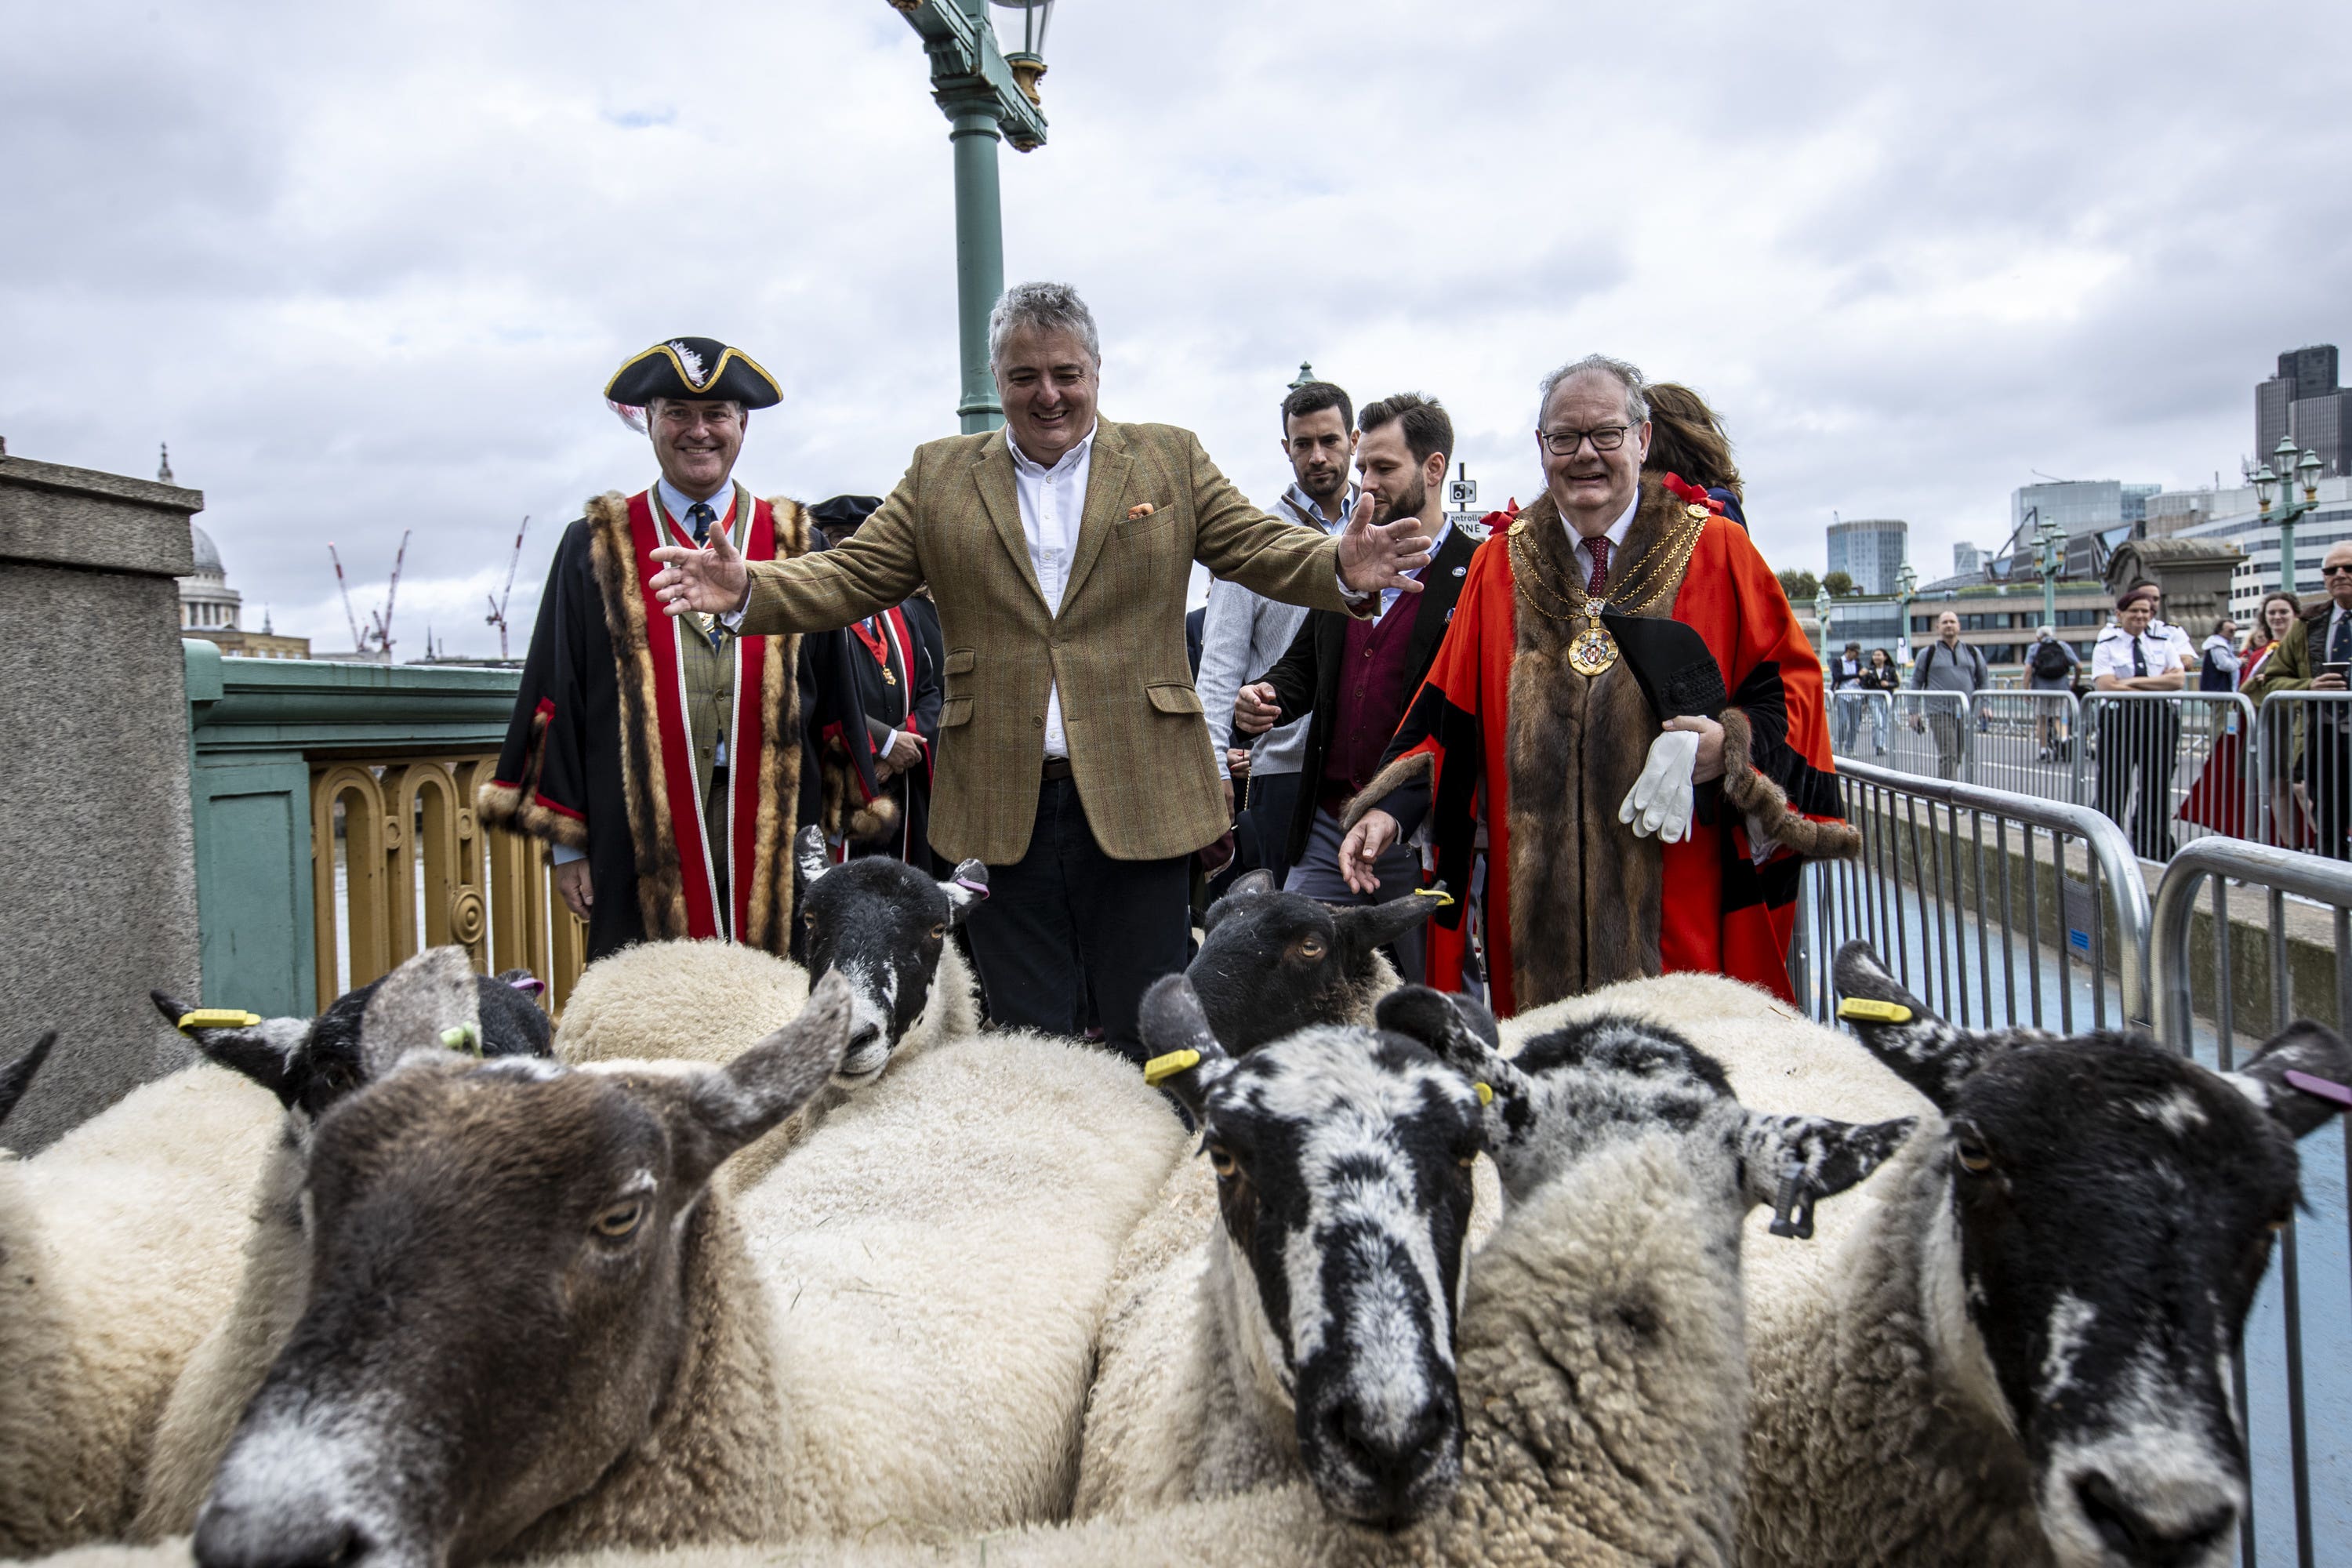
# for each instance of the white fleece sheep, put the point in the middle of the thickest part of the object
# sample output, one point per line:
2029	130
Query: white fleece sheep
707	1001
120	1247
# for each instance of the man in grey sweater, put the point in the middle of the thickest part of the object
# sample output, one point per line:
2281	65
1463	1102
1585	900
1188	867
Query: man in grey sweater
1949	665
1245	633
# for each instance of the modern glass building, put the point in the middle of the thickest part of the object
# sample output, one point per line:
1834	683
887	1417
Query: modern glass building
1871	551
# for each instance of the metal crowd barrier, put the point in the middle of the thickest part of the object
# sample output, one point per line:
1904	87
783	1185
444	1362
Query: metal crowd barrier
1861	722
2302	776
2025	741
1993	906
1931	733
2146	753
2292	1392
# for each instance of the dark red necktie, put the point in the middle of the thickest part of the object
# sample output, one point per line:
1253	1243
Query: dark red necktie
1599	545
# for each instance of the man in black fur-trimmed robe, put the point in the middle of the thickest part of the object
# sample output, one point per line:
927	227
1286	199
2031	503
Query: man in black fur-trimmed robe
896	653
664	756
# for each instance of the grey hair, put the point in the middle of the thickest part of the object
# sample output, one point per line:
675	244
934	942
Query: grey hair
1637	406
1050	307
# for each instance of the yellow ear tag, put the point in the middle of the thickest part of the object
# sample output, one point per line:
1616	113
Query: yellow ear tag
463	1037
1159	1069
1486	1093
1444	900
217	1018
1871	1012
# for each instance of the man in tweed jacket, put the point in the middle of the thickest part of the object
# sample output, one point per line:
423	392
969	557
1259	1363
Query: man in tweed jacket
1074	758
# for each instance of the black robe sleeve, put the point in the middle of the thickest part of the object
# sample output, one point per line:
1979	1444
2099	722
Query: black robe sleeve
542	786
930	661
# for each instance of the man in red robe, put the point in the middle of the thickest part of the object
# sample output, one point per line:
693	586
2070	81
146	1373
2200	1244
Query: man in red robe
1625	704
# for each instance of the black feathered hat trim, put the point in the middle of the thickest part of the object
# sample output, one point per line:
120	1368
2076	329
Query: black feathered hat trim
693	368
844	512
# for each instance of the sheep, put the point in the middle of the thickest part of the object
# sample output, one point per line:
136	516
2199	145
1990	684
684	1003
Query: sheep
119	1243
429	1002
2022	1352
900	1347
1272	963
1311	1330
881	922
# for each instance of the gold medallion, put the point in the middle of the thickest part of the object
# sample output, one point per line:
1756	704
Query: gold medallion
1593	650
889	679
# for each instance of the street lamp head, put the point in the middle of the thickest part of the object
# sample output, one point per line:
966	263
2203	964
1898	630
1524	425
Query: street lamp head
1027	62
2307	471
2265	484
1822	608
1907	580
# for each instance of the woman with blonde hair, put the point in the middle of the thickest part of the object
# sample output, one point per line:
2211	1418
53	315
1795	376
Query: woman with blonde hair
1687	440
2218	801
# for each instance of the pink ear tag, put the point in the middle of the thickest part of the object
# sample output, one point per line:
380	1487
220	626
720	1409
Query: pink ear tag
530	985
2319	1088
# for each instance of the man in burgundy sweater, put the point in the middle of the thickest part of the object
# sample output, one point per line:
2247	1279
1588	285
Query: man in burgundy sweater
1356	676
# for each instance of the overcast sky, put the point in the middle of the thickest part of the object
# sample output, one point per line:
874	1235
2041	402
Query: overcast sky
367	269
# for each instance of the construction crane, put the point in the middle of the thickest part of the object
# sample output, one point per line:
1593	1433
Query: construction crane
392	594
345	587
497	617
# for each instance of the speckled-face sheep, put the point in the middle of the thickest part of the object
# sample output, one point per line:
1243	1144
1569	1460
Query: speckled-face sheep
432	1002
590	1352
2023	1354
1317	1332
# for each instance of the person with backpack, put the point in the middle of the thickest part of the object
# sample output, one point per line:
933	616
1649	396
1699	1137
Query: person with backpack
2051	666
2218	661
1948	665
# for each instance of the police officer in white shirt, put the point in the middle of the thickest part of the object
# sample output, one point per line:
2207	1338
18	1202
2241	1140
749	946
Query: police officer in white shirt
2138	739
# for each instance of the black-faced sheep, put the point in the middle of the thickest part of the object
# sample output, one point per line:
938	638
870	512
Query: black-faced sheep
1272	963
883	925
433	1001
2021	1352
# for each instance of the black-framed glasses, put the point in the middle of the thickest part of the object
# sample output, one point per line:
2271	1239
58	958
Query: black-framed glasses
1564	443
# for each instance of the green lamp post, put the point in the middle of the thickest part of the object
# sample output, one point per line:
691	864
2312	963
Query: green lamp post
2050	536
1907	588
988	94
2281	475
1822	603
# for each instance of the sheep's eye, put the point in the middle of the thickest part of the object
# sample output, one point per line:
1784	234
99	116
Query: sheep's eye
808	919
620	1219
1973	1156
939	932
1220	1161
1310	947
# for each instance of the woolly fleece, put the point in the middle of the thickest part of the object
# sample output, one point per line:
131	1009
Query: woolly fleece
120	1242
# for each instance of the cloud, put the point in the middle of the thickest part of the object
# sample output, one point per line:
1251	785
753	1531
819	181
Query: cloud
367	270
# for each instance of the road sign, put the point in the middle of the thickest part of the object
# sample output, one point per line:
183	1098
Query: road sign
1461	494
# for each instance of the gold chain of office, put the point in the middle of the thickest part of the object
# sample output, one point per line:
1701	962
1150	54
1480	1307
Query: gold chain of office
1592	651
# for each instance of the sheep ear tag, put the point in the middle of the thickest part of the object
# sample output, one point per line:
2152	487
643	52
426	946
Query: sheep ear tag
465	1037
217	1018
1866	1010
1486	1093
1444	900
1793	1209
1159	1069
2319	1088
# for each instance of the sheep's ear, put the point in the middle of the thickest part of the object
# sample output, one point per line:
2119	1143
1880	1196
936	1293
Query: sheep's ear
1457	1028
423	1004
1922	1049
264	1049
730	1106
1249	885
966	890
1185	1059
1367	926
17	1075
809	846
2308	1050
1791	1162
513	1023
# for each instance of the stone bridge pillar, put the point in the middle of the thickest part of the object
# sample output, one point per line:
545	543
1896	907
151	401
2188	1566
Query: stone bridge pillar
97	889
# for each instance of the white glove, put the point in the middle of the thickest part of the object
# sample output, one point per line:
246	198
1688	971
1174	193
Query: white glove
1661	799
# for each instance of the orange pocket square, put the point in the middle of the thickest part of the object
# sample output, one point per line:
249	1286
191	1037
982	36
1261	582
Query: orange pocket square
1142	509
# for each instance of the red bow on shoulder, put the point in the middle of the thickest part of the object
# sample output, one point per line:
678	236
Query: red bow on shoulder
1692	494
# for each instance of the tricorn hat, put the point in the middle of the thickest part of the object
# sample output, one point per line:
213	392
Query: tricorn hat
843	511
701	368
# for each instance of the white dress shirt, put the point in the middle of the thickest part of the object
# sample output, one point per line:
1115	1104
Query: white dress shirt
2111	654
1617	531
1053	504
